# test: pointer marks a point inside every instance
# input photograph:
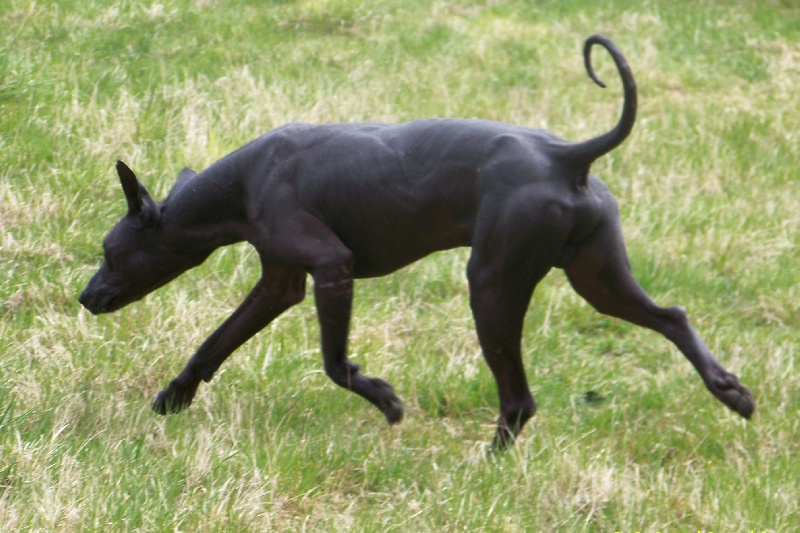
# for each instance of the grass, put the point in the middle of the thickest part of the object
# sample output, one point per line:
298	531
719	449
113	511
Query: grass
709	195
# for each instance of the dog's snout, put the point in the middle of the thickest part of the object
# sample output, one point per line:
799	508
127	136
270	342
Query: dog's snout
85	299
92	301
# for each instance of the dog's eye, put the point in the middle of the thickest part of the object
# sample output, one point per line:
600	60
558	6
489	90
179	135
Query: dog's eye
109	262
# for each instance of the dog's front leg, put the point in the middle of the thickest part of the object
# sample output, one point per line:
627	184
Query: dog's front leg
333	291
278	289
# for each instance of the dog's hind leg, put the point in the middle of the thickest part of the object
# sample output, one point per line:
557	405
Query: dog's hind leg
601	274
279	288
499	312
507	262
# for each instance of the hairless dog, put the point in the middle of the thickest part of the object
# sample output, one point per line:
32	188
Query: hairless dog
346	201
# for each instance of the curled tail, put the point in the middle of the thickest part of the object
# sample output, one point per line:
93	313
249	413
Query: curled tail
586	152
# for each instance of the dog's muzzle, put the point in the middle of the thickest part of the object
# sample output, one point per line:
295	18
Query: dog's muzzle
95	302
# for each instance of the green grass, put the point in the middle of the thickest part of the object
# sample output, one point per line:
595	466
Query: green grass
709	191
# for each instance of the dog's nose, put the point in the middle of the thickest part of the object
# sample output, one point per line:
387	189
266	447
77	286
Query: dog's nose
88	299
85	299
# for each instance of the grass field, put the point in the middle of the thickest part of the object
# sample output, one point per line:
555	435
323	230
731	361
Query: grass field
710	198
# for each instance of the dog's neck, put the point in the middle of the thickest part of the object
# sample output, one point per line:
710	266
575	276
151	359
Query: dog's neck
206	213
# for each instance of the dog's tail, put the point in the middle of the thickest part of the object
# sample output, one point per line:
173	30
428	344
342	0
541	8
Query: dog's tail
586	152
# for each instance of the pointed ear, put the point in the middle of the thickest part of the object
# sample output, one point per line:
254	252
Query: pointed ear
139	201
184	177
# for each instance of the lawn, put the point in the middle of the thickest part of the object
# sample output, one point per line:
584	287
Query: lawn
626	438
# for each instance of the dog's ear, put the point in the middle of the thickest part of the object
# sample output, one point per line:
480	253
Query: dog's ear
186	175
140	204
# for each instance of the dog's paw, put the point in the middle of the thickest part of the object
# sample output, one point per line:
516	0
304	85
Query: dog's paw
728	390
390	405
503	438
393	411
173	399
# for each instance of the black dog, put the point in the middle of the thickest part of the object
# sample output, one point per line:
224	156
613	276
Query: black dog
349	201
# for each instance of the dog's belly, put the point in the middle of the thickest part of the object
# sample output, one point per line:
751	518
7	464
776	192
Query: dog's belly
380	249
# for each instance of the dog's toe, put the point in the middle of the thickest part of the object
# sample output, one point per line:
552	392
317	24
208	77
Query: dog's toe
390	405
160	404
745	404
737	397
726	380
173	399
393	411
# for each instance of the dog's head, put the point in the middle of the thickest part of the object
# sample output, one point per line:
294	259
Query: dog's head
138	255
